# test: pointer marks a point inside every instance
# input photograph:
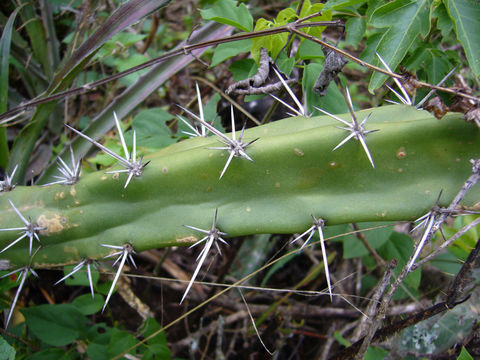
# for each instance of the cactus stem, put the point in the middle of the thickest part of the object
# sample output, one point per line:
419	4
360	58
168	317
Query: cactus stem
29	230
6	185
125	253
318	225
24	274
212	236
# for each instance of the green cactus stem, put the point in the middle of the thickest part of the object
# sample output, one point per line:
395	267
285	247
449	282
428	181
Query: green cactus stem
295	174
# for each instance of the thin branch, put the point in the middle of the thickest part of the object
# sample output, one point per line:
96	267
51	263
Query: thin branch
228	98
372	309
465	280
471	181
462	283
378	69
185	50
457	235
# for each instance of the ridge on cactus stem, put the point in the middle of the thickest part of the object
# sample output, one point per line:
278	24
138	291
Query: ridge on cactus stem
30	230
134	167
212	237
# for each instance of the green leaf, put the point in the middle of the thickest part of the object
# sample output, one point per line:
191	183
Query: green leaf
285	63
128	63
273	43
368	54
56	325
243	69
309	9
151	326
444	23
151	129
310	50
54	354
464	355
38	38
88	306
353	247
120	40
157	351
355	28
119	342
6	351
434	63
103	159
80	278
99	334
158	345
374	353
465	15
285	16
341	339
333	101
97	351
5	42
405	19
436	66
341	4
447	262
227	12
227	50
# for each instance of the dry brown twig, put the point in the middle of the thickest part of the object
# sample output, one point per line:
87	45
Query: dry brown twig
458	288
